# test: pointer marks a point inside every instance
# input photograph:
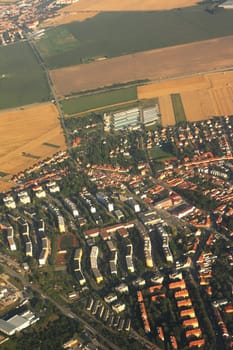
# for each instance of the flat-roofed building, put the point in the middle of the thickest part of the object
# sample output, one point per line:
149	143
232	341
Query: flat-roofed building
150	115
123	120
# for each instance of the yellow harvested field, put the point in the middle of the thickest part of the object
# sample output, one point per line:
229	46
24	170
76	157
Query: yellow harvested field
154	65
172	86
23	134
198	105
84	9
166	110
203	96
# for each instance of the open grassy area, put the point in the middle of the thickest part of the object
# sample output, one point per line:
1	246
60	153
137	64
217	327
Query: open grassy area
22	80
104	99
56	41
156	153
118	33
178	108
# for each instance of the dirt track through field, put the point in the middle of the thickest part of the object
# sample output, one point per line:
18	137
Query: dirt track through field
153	65
84	9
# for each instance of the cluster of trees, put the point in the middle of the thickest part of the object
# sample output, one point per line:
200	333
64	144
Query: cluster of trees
51	336
198	199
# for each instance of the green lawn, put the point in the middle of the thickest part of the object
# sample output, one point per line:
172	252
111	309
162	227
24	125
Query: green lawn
22	80
118	33
104	99
178	108
156	153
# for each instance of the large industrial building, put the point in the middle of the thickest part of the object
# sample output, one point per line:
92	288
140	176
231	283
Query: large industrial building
17	323
150	115
123	120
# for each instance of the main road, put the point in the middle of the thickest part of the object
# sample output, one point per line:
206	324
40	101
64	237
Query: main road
52	89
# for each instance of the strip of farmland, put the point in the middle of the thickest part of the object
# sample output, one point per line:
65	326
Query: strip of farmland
166	110
154	65
96	101
178	108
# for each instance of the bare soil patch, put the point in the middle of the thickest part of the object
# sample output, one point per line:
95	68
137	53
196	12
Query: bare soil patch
24	131
84	9
154	65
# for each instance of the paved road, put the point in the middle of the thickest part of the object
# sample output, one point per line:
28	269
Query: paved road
52	90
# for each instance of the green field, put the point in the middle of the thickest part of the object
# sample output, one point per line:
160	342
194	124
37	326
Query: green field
118	33
22	80
178	108
56	41
104	99
156	153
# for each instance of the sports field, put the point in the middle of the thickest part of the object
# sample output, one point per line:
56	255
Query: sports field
25	138
194	98
112	34
85	9
22	80
99	100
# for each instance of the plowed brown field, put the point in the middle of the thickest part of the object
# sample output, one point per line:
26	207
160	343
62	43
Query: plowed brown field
153	65
89	8
203	96
26	131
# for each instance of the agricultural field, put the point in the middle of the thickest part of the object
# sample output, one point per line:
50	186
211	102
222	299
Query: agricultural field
166	111
22	80
85	9
99	100
178	108
102	36
193	98
176	61
56	41
25	138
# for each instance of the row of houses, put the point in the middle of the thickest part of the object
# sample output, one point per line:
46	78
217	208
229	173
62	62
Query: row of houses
94	264
59	218
165	243
186	312
77	266
25	235
24	197
97	309
44	242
